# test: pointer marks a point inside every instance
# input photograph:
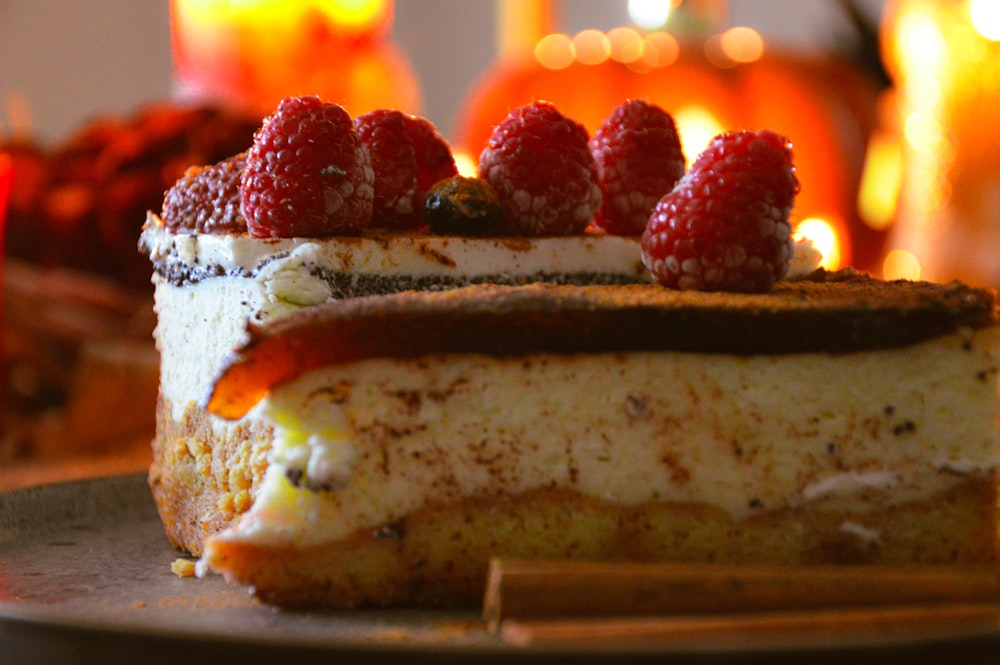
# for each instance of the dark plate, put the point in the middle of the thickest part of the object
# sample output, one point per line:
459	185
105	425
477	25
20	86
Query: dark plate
85	577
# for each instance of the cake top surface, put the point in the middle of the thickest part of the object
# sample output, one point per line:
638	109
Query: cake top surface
828	312
186	258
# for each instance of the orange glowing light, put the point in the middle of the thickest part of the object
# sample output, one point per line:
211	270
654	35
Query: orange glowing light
466	164
824	238
663	48
901	264
918	42
716	55
267	18
741	44
555	51
626	45
880	181
656	50
822	104
250	54
520	24
697	126
651	13
592	47
924	132
985	15
945	58
357	12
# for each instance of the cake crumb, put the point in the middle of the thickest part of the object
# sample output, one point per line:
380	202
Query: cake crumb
183	568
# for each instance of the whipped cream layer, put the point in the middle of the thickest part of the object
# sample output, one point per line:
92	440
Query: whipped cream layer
360	446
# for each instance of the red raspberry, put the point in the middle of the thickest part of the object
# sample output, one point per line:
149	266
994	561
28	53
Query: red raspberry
408	156
540	163
207	199
639	159
725	227
307	173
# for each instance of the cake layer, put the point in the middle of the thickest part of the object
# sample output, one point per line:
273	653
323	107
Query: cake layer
523	410
435	556
205	471
361	444
367	263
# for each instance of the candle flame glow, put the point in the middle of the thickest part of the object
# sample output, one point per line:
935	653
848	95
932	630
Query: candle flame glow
944	58
466	164
651	14
250	54
358	13
919	41
698	127
824	238
880	181
985	15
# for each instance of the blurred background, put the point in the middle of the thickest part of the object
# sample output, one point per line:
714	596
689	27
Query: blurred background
104	103
74	59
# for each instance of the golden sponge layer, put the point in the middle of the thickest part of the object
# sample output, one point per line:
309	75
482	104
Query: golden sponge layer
438	556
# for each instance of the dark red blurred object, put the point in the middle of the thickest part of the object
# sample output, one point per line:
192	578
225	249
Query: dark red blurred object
81	204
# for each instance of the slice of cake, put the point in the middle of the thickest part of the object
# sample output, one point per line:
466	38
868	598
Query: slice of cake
839	419
218	270
209	286
410	396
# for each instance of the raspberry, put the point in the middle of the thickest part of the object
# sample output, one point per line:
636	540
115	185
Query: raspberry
207	199
639	159
408	156
307	173
725	227
540	163
462	206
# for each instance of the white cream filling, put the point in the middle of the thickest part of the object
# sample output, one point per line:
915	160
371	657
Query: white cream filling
743	434
847	484
870	537
407	255
426	255
805	258
197	326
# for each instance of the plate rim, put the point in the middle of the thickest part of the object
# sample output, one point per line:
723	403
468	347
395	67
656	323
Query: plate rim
20	617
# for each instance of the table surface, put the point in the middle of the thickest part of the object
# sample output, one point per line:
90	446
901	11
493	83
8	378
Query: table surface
127	457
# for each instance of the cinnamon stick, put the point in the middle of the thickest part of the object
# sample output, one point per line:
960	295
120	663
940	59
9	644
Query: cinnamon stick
562	589
756	630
